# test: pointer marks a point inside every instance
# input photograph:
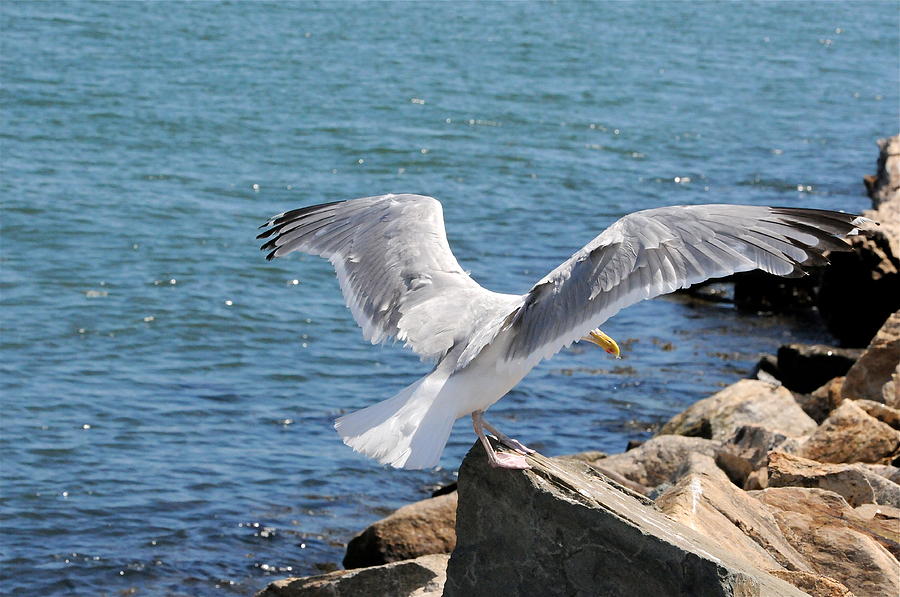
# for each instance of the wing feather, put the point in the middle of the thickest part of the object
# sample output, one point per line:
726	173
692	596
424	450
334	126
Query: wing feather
657	251
396	270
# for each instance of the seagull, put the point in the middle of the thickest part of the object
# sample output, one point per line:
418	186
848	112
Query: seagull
400	280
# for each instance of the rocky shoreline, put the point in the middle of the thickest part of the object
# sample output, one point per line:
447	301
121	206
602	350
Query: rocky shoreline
786	484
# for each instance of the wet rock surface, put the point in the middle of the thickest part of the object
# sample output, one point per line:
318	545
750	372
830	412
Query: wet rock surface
420	577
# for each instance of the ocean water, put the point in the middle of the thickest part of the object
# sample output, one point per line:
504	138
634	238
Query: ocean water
168	395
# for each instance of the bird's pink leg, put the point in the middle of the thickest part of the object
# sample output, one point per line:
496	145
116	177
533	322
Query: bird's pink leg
512	443
501	460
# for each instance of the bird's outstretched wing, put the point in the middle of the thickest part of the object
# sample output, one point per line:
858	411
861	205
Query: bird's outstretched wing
656	251
394	265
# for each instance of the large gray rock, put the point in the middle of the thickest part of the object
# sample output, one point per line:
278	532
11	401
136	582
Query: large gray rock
834	539
853	482
850	434
421	577
561	528
417	529
747	402
875	368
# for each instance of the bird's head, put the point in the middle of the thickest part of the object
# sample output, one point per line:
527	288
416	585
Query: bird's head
597	337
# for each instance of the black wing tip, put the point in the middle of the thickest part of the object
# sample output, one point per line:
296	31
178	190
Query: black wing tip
271	255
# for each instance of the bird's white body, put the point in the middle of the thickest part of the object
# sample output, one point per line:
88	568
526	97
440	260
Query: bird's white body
401	280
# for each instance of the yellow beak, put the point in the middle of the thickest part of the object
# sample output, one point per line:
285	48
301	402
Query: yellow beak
597	337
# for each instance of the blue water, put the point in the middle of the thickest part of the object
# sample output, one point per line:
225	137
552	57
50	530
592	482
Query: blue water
167	395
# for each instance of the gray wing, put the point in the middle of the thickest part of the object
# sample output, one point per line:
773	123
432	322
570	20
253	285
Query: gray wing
396	271
657	251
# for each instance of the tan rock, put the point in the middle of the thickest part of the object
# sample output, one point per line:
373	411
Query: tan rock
813	584
850	434
881	411
885	470
875	368
747	402
823	400
417	529
833	538
421	577
657	461
853	482
706	501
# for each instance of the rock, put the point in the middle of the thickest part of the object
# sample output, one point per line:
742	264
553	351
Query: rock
706	501
421	528
877	365
813	584
561	528
853	482
819	404
880	411
657	461
759	292
834	539
861	288
421	577
887	471
871	511
850	434
806	367
884	186
747	402
753	443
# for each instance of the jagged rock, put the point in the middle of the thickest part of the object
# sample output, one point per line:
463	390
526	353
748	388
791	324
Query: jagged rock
853	482
421	528
861	288
881	411
747	402
561	528
871	511
657	461
849	434
746	453
885	184
813	584
806	367
759	292
819	404
421	577
887	471
834	539
705	500
866	379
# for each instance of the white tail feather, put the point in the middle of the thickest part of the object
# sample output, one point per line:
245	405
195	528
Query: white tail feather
407	431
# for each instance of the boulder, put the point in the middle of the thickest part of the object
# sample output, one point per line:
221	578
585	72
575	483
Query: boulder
706	501
813	584
862	287
853	482
884	186
887	471
745	454
819	404
833	538
421	577
657	461
561	528
806	367
876	367
881	411
850	434
421	528
747	402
